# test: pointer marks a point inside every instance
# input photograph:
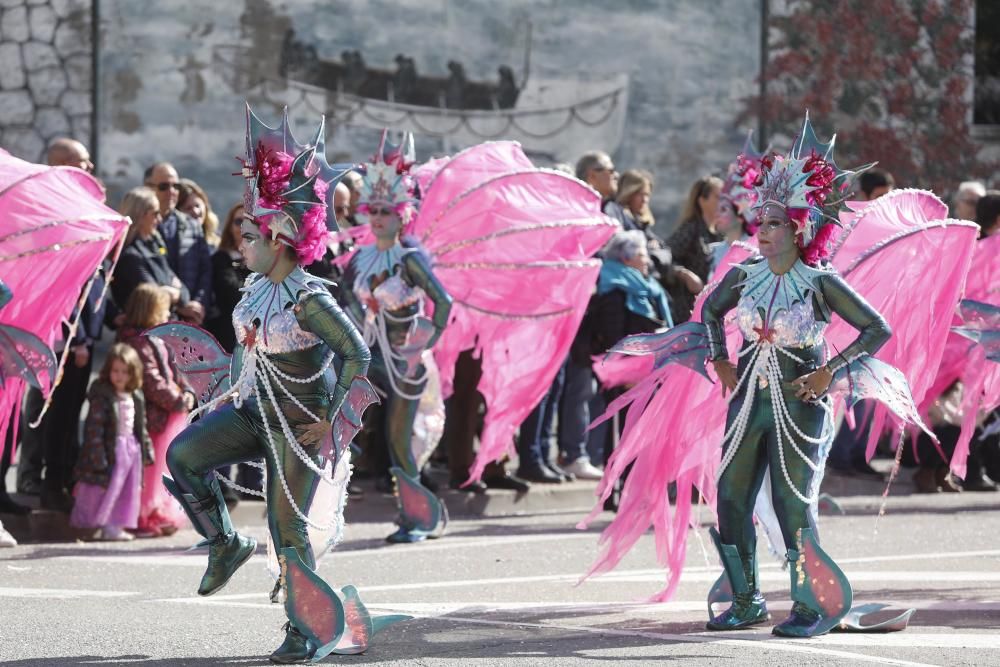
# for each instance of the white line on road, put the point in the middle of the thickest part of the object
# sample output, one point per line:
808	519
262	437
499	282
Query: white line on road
764	643
61	593
490	607
182	558
445	611
760	641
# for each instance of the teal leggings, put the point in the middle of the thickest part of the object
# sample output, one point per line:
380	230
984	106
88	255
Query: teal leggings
758	451
230	435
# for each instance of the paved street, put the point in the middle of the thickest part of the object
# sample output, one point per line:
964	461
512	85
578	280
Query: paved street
500	591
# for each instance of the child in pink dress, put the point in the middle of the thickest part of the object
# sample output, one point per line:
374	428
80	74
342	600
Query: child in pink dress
115	447
168	400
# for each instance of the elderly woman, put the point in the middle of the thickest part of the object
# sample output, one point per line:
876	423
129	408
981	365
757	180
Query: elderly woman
628	301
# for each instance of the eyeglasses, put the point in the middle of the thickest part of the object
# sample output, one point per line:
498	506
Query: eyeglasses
380	211
342	209
163	187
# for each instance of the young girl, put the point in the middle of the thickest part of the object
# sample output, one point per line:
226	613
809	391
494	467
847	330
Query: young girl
168	401
115	447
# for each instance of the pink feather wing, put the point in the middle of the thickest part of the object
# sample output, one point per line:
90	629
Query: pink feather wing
512	246
52	217
883	254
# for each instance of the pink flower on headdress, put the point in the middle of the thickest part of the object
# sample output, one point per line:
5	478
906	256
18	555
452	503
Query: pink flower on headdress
273	173
310	245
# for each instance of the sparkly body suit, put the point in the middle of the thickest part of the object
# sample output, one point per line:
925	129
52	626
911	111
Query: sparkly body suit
385	295
288	334
782	318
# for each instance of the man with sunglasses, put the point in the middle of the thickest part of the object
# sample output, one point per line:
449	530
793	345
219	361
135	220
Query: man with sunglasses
188	252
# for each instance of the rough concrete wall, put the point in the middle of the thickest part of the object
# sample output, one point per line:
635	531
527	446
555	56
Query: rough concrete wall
45	74
169	91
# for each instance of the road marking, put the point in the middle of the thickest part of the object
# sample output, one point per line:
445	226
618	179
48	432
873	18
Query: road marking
492	607
184	559
759	641
61	593
446	611
764	643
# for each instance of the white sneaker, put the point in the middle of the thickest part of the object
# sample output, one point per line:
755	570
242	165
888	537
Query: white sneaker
113	534
6	539
582	468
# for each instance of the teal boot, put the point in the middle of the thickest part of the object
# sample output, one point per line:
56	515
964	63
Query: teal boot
297	648
748	606
227	549
821	593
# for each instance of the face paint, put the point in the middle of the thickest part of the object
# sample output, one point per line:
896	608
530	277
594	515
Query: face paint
384	220
776	236
258	251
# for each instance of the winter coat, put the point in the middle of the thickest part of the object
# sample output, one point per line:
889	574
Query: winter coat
162	384
97	453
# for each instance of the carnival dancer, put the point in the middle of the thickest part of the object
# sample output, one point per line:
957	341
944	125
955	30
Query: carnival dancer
779	423
489	222
386	288
286	404
735	221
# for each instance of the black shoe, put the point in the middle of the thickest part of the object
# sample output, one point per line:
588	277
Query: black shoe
30	488
864	469
384	484
428	483
566	476
507	481
297	648
539	474
8	506
978	483
476	487
59	501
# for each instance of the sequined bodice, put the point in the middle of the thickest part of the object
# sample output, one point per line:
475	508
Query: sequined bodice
391	294
126	415
795	327
779	308
266	313
383	267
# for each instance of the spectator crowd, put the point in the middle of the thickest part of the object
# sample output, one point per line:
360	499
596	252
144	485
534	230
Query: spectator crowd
181	261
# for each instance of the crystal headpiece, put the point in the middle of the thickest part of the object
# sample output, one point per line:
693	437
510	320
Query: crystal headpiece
806	186
386	178
741	177
289	190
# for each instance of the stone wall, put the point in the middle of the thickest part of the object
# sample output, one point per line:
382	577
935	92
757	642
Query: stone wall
174	83
45	74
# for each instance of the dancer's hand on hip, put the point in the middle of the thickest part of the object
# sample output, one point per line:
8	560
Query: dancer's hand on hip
313	433
726	372
813	385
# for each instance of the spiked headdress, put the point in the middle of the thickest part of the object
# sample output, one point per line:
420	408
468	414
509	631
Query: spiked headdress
741	177
289	188
386	178
805	186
